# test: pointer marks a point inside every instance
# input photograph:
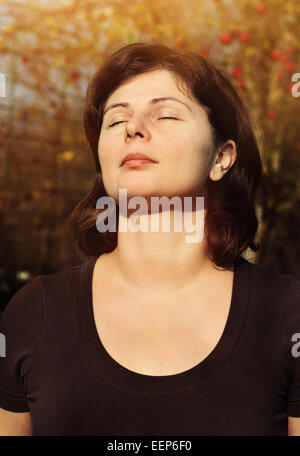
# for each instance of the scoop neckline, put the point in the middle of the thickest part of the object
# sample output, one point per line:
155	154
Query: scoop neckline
113	372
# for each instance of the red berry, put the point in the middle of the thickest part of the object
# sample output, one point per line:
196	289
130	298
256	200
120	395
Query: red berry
179	42
261	7
225	38
283	58
290	66
244	36
24	59
237	72
271	114
279	76
275	55
74	75
241	84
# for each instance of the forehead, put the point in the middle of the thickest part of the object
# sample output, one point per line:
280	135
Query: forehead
154	83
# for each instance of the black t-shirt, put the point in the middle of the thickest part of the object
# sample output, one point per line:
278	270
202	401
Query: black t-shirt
57	368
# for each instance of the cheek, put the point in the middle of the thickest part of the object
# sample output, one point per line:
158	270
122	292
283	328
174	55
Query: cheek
193	147
192	156
104	151
203	145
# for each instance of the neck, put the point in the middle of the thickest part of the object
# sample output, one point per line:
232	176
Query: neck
163	261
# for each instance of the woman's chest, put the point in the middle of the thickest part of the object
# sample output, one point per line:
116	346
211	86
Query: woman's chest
159	336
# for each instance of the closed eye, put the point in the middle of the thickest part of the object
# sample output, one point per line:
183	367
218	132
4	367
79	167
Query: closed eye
120	121
115	123
168	118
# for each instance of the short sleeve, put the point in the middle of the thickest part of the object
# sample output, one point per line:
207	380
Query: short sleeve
21	324
290	343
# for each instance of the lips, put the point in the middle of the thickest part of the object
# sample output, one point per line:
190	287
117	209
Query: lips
136	156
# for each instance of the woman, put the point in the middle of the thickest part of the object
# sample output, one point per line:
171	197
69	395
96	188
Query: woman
154	335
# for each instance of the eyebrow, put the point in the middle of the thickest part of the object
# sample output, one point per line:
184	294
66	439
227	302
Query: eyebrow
153	101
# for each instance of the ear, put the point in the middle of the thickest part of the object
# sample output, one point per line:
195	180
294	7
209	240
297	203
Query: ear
225	158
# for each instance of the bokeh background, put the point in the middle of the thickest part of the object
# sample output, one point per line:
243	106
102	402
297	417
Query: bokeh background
48	53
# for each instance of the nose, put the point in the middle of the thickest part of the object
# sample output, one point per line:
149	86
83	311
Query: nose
136	127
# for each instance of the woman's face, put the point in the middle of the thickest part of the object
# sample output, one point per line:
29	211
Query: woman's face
182	146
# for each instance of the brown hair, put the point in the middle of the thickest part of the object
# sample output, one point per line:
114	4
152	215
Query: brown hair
231	223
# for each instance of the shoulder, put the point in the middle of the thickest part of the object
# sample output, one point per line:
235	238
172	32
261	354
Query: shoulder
21	325
65	285
281	293
270	283
272	297
30	319
60	283
267	274
31	298
27	299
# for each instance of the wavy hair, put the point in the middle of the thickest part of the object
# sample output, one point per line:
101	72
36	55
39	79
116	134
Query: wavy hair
231	222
